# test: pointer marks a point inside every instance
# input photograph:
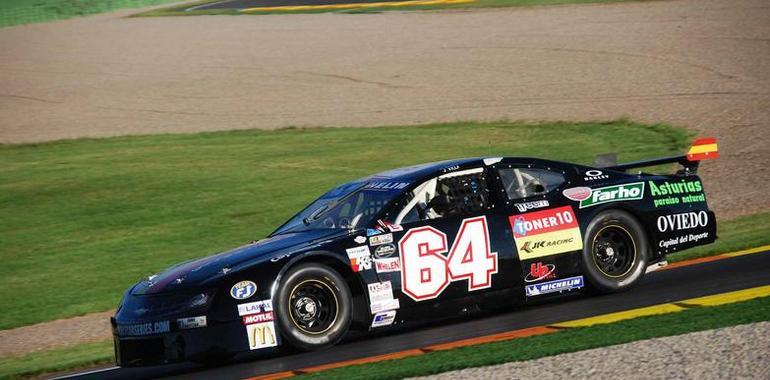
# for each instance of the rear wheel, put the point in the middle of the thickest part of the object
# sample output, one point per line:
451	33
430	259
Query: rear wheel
313	307
614	251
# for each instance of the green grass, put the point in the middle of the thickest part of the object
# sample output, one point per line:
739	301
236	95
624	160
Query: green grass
17	12
564	341
487	354
38	363
180	10
84	219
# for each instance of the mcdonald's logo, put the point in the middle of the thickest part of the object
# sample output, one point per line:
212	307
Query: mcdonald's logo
261	335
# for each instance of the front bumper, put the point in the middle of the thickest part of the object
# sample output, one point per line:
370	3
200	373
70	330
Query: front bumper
179	345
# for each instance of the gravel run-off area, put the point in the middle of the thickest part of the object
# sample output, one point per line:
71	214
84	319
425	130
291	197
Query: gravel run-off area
701	64
738	352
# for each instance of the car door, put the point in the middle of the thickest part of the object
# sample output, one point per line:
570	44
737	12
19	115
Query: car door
543	223
443	241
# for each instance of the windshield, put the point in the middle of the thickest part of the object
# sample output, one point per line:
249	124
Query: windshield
349	206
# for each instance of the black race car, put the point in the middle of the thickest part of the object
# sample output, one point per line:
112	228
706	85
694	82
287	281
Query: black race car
416	244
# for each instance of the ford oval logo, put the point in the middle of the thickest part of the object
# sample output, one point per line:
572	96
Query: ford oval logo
243	290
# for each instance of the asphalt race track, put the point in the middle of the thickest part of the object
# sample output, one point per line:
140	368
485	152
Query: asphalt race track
658	287
244	4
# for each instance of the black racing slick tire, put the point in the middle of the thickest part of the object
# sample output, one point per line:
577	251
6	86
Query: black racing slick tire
314	307
614	251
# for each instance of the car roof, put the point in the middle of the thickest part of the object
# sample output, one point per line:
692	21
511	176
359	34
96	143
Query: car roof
417	172
422	172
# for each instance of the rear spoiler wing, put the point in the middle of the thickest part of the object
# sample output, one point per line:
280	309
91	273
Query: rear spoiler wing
702	149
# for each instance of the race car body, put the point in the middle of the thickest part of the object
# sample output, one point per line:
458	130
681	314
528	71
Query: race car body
416	244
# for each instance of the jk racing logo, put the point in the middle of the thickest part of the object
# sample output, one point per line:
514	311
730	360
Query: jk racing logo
615	193
545	233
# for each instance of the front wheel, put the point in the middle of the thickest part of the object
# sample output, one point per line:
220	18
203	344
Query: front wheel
313	307
614	251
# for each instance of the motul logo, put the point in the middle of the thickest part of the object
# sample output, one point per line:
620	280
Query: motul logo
258	318
683	221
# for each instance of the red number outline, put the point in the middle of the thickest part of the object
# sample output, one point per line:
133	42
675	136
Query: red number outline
436	252
439	253
487	251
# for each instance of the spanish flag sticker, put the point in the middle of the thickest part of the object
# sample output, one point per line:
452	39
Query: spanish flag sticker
702	149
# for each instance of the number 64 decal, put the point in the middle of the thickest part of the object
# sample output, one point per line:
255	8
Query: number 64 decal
425	272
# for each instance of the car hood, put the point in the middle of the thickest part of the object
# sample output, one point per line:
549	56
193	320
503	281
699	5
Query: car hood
190	274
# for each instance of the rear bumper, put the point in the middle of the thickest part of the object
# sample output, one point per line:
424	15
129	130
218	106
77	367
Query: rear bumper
179	345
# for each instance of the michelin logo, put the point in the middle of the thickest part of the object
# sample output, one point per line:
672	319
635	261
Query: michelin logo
555	286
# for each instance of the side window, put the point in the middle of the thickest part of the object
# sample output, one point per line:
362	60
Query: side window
526	182
454	194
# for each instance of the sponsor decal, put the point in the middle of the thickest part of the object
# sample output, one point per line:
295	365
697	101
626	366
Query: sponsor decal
149	328
523	207
615	193
381	297
261	335
273	260
577	194
381	239
547	232
191	323
390	226
372	232
258	318
255	307
360	251
539	272
385	250
565	284
384	306
380	291
360	258
386	185
384	318
360	240
673	193
386	265
243	290
689	238
361	263
593	175
682	221
395	227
